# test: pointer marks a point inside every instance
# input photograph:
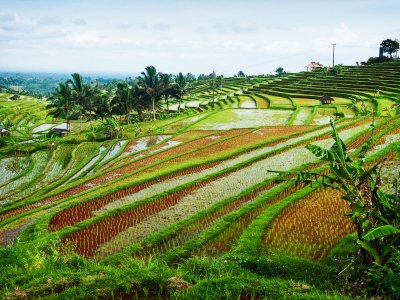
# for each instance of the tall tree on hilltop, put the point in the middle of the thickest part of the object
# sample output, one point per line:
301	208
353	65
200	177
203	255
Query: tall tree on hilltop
390	46
241	74
150	81
280	71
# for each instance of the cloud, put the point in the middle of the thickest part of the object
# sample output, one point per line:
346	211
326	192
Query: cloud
143	26
341	35
234	27
281	46
79	22
87	36
13	22
123	25
8	18
49	20
86	39
160	27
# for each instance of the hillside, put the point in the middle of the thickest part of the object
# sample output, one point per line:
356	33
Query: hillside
185	207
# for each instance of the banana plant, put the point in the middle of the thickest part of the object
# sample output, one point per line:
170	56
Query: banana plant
375	214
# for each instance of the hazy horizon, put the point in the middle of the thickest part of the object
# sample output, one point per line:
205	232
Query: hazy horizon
123	37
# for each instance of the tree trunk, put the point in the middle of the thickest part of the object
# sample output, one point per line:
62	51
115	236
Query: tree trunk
213	98
141	116
363	251
154	110
166	100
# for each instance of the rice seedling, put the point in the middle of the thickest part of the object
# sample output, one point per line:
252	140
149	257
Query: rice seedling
311	226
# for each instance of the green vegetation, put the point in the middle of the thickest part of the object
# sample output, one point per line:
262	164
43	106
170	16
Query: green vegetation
160	188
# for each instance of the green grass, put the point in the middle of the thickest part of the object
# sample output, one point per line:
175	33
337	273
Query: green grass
306	102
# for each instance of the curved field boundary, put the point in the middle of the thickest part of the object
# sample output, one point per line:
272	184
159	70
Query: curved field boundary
249	241
122	222
128	168
81	156
40	160
163	145
23	209
179	233
227	238
59	161
83	210
70	169
44	203
212	235
23	173
85	171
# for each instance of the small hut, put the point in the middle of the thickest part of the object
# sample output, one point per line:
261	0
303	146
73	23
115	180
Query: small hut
325	99
3	131
15	97
313	66
60	131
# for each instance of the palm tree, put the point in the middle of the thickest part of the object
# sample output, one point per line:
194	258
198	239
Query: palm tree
219	82
212	85
62	104
166	86
180	87
122	102
150	81
82	94
102	105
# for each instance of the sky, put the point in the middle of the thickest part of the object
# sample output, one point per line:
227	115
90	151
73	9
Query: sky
255	36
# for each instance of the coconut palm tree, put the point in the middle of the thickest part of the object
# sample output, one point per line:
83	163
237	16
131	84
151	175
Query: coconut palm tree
102	105
219	81
180	87
166	82
212	77
62	104
122	102
151	83
82	94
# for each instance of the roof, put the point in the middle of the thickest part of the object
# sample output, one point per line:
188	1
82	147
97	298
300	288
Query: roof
314	64
15	97
326	98
60	130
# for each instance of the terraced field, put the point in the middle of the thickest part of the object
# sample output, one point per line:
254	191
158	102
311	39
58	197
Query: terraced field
200	186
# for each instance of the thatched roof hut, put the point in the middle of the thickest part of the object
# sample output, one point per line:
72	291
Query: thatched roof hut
15	97
325	99
60	131
313	66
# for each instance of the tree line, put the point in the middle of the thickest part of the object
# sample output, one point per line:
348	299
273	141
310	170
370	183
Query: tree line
77	99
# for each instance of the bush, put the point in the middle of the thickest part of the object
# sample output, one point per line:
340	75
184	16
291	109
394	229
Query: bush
378	60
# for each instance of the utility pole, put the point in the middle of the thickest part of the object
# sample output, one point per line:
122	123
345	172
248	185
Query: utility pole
333	57
212	86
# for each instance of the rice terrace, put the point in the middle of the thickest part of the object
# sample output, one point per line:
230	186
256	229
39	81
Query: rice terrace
174	186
